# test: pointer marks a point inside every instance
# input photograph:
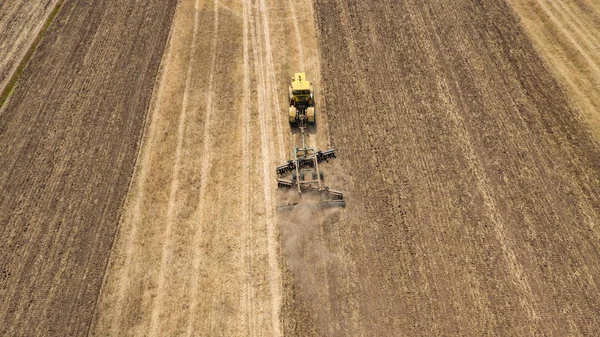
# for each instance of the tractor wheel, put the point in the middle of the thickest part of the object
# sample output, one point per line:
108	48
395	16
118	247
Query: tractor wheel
293	114
311	116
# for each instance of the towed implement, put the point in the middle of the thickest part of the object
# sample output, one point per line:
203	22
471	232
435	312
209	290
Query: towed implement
303	173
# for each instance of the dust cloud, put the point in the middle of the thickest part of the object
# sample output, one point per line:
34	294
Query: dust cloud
311	259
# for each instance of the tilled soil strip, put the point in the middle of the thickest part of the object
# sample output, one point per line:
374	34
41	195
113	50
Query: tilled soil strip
69	137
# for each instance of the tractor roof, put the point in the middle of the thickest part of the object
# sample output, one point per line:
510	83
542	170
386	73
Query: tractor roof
299	82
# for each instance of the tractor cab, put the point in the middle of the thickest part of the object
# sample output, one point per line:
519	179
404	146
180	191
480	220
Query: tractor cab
302	103
301	93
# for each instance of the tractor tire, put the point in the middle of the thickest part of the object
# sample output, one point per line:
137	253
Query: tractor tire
293	114
311	115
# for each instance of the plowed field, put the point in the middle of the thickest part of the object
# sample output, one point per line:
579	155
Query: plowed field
475	205
472	184
68	142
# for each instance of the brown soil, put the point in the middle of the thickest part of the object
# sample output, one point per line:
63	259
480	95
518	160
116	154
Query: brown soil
68	143
474	186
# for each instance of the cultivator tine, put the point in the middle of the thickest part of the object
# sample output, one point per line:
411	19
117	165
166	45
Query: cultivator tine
286	208
333	204
325	155
334	195
284	183
286	168
307	188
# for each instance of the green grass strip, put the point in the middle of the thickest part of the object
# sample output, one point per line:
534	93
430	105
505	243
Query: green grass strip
25	60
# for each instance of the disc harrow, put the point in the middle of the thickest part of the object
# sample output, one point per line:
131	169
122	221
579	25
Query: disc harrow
303	173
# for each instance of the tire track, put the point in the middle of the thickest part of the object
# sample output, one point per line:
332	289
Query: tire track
271	77
585	35
171	208
247	257
297	34
205	168
266	148
567	32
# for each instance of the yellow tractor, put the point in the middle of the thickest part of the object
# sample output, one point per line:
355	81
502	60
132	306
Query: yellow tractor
302	101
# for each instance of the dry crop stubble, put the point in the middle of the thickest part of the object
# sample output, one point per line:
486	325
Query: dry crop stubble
567	35
238	286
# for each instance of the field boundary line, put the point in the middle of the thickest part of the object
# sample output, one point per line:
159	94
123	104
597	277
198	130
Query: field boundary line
18	71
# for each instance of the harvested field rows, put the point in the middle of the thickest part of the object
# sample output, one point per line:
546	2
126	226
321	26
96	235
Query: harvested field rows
567	34
68	141
475	196
20	23
197	251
